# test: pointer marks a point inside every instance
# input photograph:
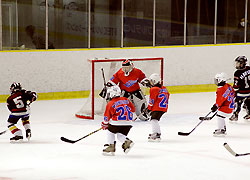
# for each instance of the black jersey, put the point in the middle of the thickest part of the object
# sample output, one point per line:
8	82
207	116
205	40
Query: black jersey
242	82
17	102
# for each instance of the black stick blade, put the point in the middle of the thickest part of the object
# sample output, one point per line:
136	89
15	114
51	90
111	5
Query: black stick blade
205	118
3	132
183	134
67	140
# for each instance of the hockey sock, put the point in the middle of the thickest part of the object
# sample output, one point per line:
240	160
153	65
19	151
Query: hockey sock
14	130
121	137
221	122
155	126
26	124
110	137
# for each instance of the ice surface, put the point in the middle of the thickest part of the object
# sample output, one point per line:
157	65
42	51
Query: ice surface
199	156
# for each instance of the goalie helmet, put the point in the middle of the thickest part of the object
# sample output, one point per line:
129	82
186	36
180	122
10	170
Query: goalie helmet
220	79
14	87
155	79
240	62
113	91
127	66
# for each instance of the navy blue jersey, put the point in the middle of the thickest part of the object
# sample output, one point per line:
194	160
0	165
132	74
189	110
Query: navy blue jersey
18	101
242	81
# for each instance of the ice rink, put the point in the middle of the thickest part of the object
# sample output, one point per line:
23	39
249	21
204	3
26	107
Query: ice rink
199	156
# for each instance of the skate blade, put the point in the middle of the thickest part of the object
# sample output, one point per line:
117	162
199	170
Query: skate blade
127	150
108	153
16	142
219	135
154	140
233	122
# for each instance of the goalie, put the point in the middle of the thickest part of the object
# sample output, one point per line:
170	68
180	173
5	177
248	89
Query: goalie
128	78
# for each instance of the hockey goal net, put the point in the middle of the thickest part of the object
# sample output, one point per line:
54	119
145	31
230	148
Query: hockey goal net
94	104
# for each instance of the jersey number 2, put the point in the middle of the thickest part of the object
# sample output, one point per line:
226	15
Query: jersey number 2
164	101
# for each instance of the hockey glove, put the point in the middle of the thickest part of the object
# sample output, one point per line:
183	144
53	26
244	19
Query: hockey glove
104	126
214	108
146	82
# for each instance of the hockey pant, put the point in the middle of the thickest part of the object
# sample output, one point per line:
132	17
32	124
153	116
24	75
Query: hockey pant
238	103
120	131
221	119
139	101
12	121
155	118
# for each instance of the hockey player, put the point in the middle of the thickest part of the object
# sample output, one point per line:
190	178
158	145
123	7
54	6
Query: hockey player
242	87
117	120
18	104
224	102
158	105
128	79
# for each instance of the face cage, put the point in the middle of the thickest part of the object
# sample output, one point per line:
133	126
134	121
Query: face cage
239	65
127	69
216	81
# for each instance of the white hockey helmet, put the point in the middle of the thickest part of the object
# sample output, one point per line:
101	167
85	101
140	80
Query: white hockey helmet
155	79
127	66
113	91
220	78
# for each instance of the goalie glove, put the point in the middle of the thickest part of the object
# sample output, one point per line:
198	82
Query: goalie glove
146	82
103	93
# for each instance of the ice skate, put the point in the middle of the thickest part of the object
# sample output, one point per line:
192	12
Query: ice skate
16	139
109	149
28	134
127	145
247	117
155	137
234	117
219	133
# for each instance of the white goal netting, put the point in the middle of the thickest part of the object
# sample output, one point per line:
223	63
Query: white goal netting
94	104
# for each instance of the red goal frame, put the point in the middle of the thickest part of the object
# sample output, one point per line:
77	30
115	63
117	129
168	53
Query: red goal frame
161	59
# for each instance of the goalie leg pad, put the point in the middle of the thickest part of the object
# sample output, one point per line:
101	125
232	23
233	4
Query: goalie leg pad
140	102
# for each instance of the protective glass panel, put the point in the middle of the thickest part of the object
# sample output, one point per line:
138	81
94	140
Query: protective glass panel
169	25
106	23
138	23
230	14
200	21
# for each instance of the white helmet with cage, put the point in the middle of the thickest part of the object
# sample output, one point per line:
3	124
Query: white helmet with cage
113	91
220	78
127	66
155	79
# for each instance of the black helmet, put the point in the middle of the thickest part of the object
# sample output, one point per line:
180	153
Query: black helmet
15	87
240	62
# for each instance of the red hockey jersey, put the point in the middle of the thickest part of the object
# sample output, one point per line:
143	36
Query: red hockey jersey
225	98
119	111
128	83
158	99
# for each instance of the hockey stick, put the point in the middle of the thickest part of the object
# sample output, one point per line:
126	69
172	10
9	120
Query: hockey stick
186	134
74	141
232	151
3	132
104	90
